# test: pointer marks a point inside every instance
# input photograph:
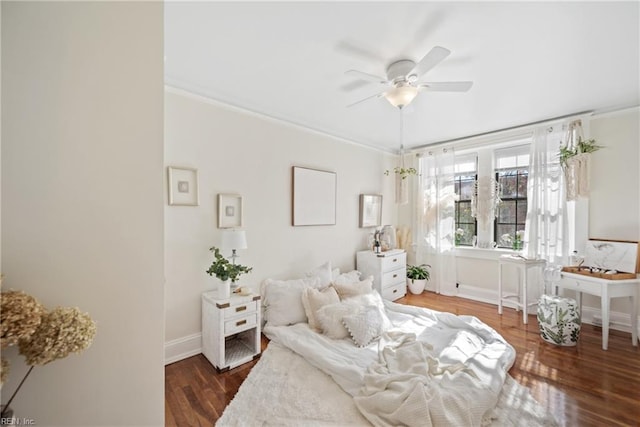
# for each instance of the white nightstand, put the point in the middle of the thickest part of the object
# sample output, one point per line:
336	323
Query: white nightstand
389	271
230	329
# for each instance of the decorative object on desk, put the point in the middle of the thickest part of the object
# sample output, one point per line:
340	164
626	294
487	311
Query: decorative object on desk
230	211
233	240
377	247
612	255
575	159
224	270
417	277
388	238
42	336
370	210
314	197
518	241
458	236
485	200
183	186
559	320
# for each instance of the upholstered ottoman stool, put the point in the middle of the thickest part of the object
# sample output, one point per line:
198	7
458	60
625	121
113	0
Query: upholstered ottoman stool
559	320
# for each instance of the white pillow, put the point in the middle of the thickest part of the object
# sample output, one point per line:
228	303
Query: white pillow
352	289
330	316
283	300
365	325
323	272
313	300
347	278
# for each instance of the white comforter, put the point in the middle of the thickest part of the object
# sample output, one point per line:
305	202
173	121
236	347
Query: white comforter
431	368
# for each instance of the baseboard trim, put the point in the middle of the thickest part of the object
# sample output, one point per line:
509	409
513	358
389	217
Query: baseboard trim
182	348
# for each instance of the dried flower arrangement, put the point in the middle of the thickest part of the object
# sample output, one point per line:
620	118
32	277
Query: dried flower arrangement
42	336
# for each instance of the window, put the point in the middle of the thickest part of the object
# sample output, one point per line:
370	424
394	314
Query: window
512	172
465	179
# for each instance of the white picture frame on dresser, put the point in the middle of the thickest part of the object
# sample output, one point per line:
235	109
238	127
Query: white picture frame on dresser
389	271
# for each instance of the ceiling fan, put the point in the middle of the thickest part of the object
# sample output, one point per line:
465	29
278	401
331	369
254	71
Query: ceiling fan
402	83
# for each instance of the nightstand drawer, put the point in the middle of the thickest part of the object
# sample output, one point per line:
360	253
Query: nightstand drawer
395	261
241	309
240	324
392	293
394	277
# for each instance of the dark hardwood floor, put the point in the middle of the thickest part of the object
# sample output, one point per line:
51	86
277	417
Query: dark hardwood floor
581	386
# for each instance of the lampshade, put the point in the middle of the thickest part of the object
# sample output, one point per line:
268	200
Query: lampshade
234	239
401	96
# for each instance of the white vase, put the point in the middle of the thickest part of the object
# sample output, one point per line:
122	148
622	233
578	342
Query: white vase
416	286
224	289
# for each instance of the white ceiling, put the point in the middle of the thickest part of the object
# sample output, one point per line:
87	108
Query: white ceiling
529	62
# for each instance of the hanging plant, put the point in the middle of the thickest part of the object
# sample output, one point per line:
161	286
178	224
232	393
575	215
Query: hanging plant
403	172
588	146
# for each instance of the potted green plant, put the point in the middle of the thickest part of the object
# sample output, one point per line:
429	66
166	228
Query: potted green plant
225	271
402	172
582	147
417	277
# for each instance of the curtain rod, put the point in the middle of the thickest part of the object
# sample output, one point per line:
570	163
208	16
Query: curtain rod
496	132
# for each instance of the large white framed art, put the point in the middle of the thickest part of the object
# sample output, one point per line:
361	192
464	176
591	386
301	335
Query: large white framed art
314	197
183	186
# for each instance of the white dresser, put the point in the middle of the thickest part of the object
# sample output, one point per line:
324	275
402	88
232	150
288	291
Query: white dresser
230	329
389	271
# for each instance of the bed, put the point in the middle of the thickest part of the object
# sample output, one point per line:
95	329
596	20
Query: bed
371	361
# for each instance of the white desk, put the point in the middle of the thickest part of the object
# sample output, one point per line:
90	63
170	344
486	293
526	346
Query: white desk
605	289
523	266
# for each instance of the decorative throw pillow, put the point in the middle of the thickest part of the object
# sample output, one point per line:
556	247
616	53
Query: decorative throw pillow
330	318
282	300
313	300
364	326
353	289
347	278
323	273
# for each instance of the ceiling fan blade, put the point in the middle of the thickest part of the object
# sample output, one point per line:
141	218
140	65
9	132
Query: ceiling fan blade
430	60
377	95
367	77
446	86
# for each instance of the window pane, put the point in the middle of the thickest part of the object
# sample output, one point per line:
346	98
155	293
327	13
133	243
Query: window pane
469	231
465	213
522	183
501	230
507	212
522	212
466	190
457	187
509	186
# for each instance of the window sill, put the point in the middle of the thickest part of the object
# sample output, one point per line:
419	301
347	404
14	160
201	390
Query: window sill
482	253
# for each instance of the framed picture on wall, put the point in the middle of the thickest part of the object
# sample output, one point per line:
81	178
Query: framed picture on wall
370	210
183	186
314	197
229	211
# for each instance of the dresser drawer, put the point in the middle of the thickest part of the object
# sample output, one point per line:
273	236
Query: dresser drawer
393	262
241	309
394	277
240	324
394	292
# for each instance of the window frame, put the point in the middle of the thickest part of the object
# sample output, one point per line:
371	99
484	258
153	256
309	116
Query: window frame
519	223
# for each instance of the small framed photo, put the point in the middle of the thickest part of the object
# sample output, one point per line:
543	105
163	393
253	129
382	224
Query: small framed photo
183	186
370	210
229	210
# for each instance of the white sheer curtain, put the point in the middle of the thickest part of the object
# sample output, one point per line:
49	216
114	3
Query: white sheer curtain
546	226
435	219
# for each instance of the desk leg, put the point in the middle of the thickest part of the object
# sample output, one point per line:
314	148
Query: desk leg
499	288
525	317
605	303
634	319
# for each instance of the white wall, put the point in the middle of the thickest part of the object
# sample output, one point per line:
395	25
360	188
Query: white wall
82	197
239	152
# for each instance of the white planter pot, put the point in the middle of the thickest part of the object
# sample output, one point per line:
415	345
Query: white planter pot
224	289
416	286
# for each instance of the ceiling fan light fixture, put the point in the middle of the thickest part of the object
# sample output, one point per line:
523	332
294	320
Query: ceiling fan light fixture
401	96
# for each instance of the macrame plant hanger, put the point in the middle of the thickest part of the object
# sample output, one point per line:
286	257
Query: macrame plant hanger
576	169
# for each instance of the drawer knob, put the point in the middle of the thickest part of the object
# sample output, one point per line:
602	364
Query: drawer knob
241	322
241	308
395	275
395	260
